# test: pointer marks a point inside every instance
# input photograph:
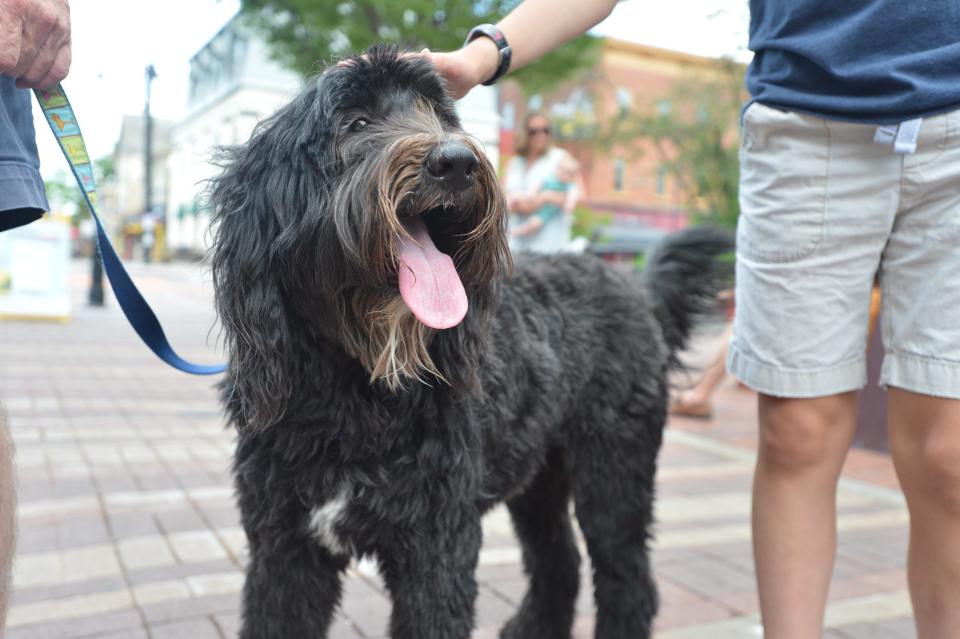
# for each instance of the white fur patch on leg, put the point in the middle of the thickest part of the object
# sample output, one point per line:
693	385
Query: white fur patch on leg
323	519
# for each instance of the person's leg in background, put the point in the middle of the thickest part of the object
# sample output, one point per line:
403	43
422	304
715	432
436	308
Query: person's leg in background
817	205
698	400
8	506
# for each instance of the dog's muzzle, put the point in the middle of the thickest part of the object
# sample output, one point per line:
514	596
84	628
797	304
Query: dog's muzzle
452	166
428	278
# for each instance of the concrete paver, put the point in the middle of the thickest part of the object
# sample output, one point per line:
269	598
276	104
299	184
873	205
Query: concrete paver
128	527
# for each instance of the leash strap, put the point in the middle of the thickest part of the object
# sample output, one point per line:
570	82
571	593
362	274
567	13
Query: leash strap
63	122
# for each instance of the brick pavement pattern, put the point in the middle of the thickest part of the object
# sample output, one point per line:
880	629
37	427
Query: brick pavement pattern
127	526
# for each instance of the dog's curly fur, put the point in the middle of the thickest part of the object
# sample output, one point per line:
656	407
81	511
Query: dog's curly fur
363	432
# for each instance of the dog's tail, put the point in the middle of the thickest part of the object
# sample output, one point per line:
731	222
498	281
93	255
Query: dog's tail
684	275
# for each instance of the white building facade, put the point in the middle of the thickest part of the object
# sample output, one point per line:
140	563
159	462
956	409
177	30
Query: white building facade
233	85
125	202
480	118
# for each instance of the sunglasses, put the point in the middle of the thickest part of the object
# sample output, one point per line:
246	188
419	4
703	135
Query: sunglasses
545	130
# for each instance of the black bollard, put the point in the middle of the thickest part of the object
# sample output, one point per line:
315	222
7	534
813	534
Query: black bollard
96	280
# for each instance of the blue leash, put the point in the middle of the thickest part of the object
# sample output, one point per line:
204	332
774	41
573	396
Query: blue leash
63	122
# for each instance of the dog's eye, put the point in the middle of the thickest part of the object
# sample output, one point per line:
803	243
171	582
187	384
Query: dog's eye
358	125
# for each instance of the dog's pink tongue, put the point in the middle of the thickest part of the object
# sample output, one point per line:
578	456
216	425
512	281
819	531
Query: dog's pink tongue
429	283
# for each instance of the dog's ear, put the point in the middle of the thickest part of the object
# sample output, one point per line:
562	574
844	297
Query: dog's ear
248	300
257	226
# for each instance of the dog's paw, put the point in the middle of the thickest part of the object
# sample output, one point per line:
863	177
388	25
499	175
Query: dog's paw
527	626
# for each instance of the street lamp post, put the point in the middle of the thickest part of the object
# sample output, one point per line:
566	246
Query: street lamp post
151	73
96	282
95	295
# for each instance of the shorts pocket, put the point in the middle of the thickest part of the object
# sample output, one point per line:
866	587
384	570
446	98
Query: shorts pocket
784	169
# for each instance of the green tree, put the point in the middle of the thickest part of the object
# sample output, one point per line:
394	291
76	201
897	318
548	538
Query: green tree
694	132
305	34
586	220
63	188
105	168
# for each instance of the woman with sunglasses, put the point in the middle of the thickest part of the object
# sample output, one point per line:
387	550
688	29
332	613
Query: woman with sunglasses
536	164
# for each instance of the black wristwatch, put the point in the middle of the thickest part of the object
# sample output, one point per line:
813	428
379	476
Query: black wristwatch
495	34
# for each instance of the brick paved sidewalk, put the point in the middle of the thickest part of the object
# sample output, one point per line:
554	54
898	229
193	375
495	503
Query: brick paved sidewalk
128	528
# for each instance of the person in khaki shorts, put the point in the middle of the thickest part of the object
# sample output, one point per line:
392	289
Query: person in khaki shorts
850	171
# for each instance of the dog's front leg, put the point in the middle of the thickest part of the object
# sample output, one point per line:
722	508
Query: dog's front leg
432	581
292	588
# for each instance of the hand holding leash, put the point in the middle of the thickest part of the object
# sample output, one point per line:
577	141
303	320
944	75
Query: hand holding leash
35	42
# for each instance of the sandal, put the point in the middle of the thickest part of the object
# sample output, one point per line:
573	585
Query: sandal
697	410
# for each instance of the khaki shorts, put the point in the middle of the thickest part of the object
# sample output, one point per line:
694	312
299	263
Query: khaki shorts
825	210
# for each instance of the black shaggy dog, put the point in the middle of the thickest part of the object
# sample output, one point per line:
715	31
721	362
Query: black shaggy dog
390	380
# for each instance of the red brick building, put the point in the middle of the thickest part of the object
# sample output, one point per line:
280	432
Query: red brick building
634	188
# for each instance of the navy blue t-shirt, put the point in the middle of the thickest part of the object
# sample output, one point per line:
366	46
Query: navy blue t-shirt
22	198
871	61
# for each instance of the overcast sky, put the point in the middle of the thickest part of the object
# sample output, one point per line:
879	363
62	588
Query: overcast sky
114	40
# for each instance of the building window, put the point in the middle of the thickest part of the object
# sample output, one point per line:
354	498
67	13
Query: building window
624	101
619	168
661	180
508	116
239	53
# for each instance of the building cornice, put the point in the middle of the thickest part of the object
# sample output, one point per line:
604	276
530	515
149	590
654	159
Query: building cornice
613	45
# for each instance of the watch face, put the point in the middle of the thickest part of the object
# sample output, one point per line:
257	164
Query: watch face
489	31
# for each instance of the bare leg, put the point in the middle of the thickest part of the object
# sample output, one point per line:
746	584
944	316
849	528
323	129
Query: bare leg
698	401
8	506
803	443
925	442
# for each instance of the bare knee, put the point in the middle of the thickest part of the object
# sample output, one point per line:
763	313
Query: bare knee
930	468
798	435
941	462
925	443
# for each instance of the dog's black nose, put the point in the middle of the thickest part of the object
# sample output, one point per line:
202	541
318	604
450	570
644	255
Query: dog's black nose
453	165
